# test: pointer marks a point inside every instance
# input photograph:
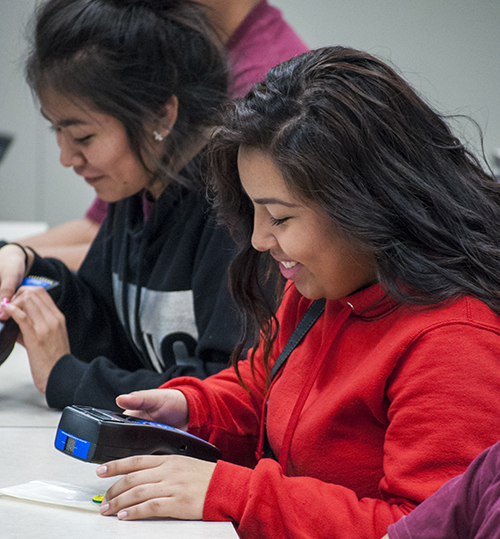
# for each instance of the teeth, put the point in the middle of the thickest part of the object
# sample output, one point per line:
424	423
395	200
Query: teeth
289	265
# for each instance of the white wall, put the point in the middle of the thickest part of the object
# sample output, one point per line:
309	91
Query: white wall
448	49
33	184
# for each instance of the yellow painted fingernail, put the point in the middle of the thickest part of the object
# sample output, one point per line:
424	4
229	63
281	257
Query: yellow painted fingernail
98	498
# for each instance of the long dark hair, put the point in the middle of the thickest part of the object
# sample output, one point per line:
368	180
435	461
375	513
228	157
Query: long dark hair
350	135
127	58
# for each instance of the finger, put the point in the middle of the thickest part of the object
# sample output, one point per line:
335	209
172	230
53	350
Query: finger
134	488
149	400
7	292
167	406
8	286
150	498
176	487
26	313
157	507
18	315
129	465
3	312
40	307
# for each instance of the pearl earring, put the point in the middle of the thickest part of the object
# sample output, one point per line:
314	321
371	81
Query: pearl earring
158	136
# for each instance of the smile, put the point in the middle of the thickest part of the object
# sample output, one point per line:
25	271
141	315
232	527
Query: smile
289	265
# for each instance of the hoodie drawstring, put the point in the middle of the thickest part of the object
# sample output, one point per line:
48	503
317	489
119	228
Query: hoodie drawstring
306	389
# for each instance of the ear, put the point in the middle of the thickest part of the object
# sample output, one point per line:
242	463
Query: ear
169	117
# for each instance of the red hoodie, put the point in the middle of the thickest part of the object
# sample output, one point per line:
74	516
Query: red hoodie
373	412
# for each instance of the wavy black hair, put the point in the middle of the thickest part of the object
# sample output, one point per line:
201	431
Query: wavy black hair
127	58
350	135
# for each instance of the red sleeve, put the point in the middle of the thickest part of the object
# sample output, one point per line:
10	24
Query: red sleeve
97	211
224	413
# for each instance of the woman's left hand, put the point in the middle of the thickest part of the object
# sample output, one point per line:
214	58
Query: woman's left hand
43	330
157	486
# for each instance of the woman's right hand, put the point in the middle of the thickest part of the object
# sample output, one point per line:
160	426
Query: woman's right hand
12	271
168	406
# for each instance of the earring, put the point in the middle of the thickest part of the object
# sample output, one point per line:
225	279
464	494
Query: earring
158	136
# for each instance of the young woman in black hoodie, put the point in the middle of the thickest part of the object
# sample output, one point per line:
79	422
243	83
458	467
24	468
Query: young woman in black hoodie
130	89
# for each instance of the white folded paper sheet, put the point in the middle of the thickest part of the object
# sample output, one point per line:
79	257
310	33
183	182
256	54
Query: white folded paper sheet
55	493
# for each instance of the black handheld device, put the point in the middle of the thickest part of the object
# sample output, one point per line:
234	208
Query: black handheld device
95	435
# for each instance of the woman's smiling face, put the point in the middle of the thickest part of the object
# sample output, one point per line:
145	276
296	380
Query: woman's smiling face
301	237
96	146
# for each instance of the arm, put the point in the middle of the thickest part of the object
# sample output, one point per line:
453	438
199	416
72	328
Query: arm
89	376
68	242
435	395
148	489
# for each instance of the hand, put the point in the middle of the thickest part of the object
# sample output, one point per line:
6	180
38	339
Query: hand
157	486
43	330
167	406
12	271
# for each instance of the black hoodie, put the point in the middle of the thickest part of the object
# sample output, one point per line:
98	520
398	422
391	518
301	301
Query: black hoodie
181	322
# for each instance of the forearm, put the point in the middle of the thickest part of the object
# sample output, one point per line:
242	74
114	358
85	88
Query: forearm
96	383
68	242
224	413
78	231
265	503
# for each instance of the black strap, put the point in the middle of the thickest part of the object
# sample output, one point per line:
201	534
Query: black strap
312	314
306	323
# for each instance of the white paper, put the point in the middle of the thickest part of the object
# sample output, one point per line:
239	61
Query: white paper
55	493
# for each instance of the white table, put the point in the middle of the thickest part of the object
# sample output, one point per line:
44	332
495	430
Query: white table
27	453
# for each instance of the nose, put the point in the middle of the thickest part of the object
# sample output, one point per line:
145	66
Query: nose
263	238
70	155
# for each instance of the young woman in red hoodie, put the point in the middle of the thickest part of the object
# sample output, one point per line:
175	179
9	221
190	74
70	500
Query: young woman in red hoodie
362	196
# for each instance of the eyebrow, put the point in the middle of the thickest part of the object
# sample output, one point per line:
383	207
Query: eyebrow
65	122
264	201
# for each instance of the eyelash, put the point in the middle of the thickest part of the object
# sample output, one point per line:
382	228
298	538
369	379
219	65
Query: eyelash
277	222
82	139
76	140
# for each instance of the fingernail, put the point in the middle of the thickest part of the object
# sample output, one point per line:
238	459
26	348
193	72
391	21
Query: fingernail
101	470
5	301
104	507
122	514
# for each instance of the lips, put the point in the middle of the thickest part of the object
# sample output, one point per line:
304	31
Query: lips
92	180
289	269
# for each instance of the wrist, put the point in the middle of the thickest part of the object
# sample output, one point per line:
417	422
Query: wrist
29	256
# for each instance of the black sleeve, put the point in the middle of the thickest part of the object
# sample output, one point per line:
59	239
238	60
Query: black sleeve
99	382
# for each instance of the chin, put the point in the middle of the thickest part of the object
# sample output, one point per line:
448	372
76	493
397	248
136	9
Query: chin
107	197
310	293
